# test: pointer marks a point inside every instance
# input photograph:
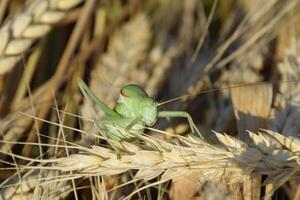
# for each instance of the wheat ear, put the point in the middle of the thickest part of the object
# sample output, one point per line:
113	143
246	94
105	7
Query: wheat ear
18	34
232	160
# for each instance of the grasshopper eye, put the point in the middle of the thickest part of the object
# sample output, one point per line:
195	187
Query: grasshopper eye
122	93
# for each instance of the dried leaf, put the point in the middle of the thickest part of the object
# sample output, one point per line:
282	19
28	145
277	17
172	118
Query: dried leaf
252	106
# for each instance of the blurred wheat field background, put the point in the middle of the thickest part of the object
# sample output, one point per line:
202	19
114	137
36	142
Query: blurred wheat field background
234	64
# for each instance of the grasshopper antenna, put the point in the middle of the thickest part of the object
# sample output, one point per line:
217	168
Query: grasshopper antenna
224	88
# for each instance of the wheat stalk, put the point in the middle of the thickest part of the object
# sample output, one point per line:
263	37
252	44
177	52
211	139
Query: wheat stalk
18	34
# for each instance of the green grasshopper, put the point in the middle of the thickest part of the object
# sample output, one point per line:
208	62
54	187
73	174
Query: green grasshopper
132	113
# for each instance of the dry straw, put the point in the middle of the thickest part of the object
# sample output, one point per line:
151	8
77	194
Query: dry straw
19	33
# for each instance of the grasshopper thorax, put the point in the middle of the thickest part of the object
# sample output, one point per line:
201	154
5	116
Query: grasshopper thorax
135	102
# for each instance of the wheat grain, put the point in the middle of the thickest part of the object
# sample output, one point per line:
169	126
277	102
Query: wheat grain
19	33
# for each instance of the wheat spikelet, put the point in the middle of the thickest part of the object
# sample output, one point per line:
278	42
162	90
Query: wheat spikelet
19	33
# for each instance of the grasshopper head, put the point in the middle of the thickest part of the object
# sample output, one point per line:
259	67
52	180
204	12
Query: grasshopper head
149	111
136	102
